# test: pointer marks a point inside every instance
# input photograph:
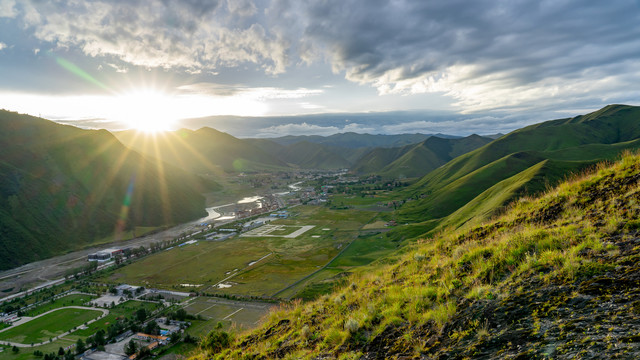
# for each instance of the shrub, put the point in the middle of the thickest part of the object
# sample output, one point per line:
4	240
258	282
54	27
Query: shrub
351	325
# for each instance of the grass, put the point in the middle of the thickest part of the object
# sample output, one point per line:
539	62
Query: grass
129	234
233	314
69	300
126	309
208	263
554	242
48	326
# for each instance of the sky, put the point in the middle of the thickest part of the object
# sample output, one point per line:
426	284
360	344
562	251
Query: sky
273	68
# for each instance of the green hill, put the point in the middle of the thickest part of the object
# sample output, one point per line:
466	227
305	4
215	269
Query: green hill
575	143
554	277
63	188
204	151
416	160
309	155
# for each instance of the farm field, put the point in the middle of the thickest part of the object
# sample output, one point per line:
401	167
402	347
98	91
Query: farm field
236	315
250	266
50	325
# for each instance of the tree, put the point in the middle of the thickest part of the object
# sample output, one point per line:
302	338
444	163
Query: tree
141	314
216	339
98	338
130	348
15	349
152	328
60	351
144	352
80	346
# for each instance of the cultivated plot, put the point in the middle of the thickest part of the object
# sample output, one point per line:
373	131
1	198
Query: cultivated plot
285	231
239	314
252	265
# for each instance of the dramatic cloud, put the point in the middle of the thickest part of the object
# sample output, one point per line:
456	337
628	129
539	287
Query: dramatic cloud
483	58
486	54
193	34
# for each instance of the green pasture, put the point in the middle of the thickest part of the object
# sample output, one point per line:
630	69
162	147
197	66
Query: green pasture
47	326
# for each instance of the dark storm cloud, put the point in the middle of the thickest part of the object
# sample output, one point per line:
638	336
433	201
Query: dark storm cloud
474	49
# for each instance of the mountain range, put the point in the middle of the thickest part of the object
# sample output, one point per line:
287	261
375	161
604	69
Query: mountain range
208	151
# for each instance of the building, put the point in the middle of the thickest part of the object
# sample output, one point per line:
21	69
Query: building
105	255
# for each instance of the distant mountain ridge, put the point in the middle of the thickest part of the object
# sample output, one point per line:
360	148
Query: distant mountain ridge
355	140
62	188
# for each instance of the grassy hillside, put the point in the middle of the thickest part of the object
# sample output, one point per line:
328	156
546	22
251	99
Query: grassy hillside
554	277
416	160
204	151
313	156
62	188
578	142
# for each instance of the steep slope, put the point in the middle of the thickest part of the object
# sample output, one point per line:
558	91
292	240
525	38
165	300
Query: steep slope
204	151
555	277
63	187
417	160
580	141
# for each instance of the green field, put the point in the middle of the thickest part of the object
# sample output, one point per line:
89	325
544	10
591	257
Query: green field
235	261
69	300
236	315
50	325
126	309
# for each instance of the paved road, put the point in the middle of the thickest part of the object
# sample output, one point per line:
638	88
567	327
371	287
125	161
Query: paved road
105	312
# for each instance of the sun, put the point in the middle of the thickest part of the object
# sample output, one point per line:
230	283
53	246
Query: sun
146	110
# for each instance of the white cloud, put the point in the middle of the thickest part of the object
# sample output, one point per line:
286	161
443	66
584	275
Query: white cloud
311	129
188	35
257	93
8	9
2	46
